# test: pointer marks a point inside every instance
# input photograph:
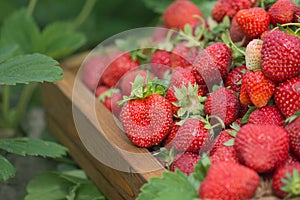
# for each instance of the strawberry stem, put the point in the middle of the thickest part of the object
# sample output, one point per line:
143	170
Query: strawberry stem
233	45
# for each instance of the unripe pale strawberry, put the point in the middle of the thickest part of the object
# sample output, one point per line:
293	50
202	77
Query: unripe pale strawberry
253	54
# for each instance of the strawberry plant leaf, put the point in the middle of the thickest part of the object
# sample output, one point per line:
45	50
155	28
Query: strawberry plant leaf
7	170
20	29
248	113
59	39
29	68
172	185
34	147
7	52
201	168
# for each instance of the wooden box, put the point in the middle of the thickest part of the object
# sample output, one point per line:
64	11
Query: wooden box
62	106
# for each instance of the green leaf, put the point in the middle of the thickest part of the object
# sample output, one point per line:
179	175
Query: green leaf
33	147
201	168
229	142
7	170
29	68
48	186
7	52
88	191
58	40
20	29
175	186
248	113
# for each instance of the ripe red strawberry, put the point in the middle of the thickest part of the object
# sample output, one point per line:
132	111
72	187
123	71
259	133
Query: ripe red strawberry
266	115
223	137
286	180
219	10
280	56
180	13
262	147
236	33
287	97
228	180
182	55
244	94
293	130
146	115
253	21
120	64
223	103
234	78
260	88
212	65
253	54
92	71
224	153
282	12
161	62
109	97
192	136
297	15
172	134
185	162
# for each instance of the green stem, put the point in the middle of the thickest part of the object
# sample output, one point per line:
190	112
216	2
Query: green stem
31	6
5	103
86	10
23	102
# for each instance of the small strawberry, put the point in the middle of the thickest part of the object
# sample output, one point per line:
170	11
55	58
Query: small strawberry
228	180
161	62
234	78
253	21
266	115
260	88
146	116
223	137
223	103
286	181
297	15
109	97
236	33
282	12
180	13
185	162
120	64
280	56
253	54
262	147
287	97
293	130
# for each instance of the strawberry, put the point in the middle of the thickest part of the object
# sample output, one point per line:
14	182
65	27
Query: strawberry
161	62
146	116
167	143
244	95
287	97
109	97
120	64
266	115
224	153
228	180
92	71
236	33
223	103
282	12
253	54
234	78
286	180
297	15
223	137
211	65
280	56
260	88
253	21
185	162
262	147
182	55
220	10
180	13
293	130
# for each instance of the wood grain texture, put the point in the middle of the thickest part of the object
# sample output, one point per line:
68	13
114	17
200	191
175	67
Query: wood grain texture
94	139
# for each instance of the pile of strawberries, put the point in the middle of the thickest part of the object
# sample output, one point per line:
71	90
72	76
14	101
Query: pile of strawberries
233	94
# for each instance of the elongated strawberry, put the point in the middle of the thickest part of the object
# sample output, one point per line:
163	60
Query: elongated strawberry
293	130
260	88
185	162
282	12
286	180
287	97
228	180
266	115
253	54
262	147
180	13
280	56
253	21
146	116
234	78
119	65
223	103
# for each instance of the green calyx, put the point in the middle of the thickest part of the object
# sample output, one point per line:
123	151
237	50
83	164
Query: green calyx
188	101
292	118
141	90
235	128
107	94
291	184
167	156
